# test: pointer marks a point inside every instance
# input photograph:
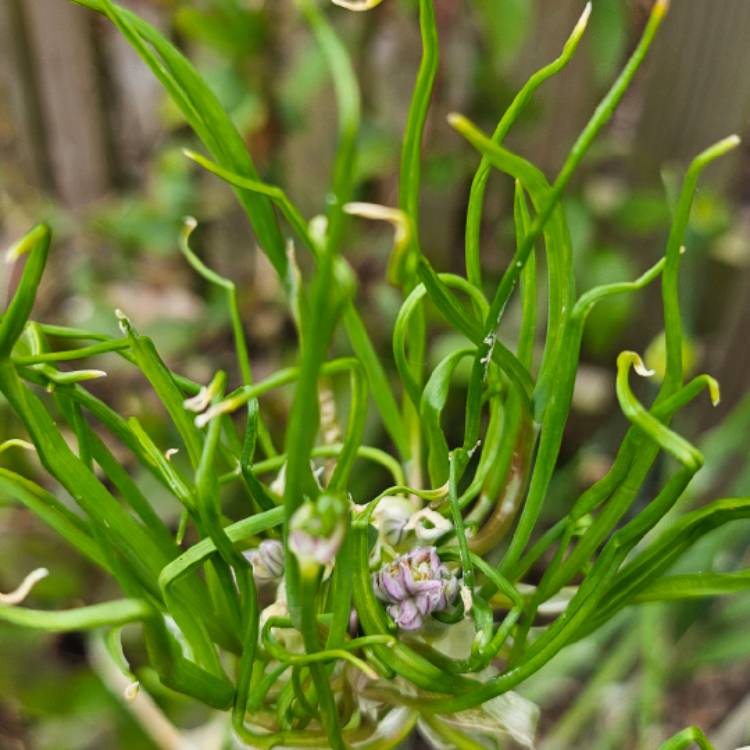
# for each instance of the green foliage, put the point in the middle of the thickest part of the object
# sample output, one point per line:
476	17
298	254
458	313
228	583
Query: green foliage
608	37
286	677
506	24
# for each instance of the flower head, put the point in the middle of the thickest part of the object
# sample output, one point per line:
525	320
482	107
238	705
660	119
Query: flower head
415	585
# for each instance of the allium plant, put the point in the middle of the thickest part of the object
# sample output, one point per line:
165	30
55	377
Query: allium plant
327	619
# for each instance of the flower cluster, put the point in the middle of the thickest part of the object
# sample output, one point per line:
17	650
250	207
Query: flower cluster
415	585
402	524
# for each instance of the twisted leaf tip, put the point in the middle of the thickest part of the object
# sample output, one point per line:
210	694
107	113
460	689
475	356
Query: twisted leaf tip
357	5
22	591
397	267
581	24
189	223
639	366
201	401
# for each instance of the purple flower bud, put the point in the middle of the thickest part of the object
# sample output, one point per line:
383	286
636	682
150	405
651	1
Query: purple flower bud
317	529
267	561
393	529
415	585
391	518
353	622
406	615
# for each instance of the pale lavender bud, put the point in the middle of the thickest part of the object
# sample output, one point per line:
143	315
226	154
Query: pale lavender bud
317	529
353	622
267	561
393	529
452	586
391	518
315	550
415	585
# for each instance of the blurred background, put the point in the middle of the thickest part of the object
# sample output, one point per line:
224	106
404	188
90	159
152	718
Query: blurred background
89	142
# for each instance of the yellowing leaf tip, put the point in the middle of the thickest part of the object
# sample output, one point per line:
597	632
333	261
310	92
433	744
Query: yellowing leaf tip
660	8
582	22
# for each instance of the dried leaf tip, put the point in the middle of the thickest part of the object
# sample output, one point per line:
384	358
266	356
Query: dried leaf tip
732	141
660	9
456	119
640	367
376	211
583	21
216	410
394	216
123	321
131	691
200	402
357	5
90	374
15	251
22	591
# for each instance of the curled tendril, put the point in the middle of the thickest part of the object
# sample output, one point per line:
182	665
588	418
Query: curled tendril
669	440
